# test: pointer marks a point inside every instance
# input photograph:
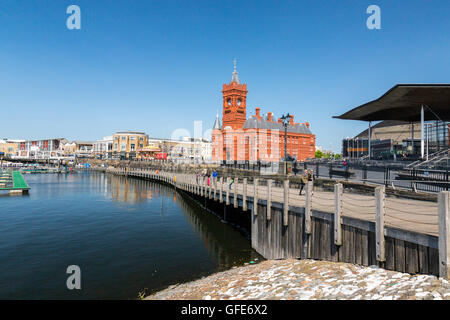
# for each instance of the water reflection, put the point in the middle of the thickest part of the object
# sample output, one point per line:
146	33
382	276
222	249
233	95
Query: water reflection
139	233
214	234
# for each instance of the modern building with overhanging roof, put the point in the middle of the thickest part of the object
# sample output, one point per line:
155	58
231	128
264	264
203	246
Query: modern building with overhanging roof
258	138
421	106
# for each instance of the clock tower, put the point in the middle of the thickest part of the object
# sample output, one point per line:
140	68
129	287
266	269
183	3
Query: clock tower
234	102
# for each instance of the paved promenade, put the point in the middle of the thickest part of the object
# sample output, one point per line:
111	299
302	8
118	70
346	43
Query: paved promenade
413	215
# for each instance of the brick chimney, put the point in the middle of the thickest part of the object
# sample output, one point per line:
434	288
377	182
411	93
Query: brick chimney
280	121
269	116
291	120
257	113
307	124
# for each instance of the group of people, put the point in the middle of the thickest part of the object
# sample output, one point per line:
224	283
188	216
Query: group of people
308	175
210	177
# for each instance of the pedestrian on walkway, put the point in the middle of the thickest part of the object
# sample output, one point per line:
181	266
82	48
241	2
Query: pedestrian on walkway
214	176
231	182
303	180
311	175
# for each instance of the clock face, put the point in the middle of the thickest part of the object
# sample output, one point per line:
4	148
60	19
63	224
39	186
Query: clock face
229	102
239	102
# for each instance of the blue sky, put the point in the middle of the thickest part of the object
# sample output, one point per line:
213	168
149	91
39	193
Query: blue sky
156	66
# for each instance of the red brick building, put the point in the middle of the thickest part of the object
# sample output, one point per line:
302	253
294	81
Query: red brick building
258	137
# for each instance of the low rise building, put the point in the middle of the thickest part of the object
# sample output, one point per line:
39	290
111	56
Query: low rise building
126	143
80	149
186	149
9	148
103	148
42	149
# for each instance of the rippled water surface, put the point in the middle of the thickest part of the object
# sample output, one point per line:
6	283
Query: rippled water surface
126	235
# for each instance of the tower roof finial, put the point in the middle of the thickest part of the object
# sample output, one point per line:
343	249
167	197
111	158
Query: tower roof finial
234	77
217	125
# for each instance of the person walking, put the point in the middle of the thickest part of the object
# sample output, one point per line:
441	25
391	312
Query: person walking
208	180
303	180
231	182
310	175
214	176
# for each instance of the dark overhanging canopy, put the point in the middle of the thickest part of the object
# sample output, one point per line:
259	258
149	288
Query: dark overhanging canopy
404	102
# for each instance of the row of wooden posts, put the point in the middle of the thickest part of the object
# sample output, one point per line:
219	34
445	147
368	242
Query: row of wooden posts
189	183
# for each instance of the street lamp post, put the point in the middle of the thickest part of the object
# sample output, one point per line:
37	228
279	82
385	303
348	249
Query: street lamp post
285	119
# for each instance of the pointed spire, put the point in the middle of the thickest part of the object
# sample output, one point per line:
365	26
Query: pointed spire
234	77
217	125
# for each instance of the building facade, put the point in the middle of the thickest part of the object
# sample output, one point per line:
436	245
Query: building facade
103	148
126	143
391	139
258	138
8	148
42	149
185	150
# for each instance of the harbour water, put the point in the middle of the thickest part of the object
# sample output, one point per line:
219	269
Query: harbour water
126	235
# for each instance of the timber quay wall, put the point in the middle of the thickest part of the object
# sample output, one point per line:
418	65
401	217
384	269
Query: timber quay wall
372	229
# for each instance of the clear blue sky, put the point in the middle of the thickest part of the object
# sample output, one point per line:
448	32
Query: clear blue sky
157	66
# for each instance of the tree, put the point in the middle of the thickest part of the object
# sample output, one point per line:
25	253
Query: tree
319	154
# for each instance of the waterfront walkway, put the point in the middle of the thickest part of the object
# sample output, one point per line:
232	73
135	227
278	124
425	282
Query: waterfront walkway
408	214
363	226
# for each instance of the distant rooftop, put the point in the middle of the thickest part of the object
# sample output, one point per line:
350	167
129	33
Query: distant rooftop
129	132
254	123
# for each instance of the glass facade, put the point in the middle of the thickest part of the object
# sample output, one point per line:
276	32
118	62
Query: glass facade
437	134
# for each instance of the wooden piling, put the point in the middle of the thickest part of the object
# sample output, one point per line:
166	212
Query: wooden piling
244	195
269	199
286	202
379	223
227	197
308	208
235	199
338	191
221	190
444	234
255	196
